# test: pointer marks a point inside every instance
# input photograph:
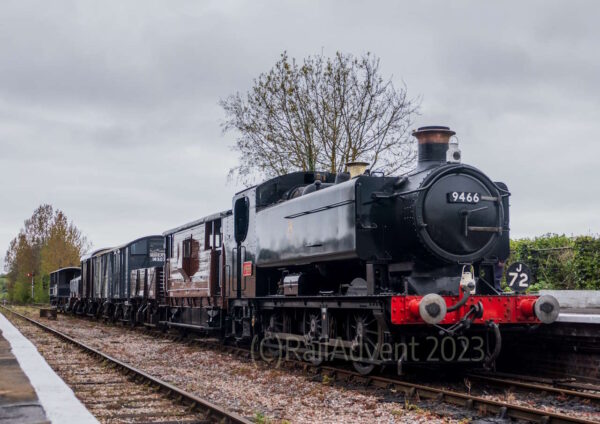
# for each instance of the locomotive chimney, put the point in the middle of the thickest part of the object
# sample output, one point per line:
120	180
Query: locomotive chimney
433	143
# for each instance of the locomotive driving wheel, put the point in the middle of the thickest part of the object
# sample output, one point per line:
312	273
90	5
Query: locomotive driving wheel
366	335
312	329
277	323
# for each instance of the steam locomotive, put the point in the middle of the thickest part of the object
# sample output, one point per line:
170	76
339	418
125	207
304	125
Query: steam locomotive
350	265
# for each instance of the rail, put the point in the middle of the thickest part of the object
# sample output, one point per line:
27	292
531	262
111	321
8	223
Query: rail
216	412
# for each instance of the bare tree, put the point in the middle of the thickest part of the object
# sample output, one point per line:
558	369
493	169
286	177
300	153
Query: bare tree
319	115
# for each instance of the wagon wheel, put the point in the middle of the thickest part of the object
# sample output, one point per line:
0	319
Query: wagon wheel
312	329
108	313
133	319
153	314
118	315
366	335
99	310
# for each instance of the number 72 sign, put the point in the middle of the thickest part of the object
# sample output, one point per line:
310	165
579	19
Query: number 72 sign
518	277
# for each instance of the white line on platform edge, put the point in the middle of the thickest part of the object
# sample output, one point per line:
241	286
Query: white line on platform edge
579	318
57	399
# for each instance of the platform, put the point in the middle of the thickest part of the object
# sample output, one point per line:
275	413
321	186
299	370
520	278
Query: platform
579	315
18	400
564	349
30	391
577	306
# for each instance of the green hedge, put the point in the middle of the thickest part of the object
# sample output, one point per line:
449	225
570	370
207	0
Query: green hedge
560	262
3	287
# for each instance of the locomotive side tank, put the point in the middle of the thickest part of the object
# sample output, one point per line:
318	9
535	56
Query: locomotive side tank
300	230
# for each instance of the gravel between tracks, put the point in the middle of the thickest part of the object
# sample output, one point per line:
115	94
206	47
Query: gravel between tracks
251	389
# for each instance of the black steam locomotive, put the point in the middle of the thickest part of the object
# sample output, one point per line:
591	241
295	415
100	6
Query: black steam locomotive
349	265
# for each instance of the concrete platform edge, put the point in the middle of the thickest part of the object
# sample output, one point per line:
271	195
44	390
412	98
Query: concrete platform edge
57	399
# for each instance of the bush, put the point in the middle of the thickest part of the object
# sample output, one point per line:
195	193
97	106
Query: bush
560	262
587	262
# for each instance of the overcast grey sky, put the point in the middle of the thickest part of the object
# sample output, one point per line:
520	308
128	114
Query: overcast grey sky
108	110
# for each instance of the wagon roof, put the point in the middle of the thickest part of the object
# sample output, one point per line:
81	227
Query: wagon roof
197	222
95	252
136	240
66	268
122	246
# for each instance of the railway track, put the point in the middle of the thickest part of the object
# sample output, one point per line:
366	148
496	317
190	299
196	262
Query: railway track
580	391
115	391
566	382
414	391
